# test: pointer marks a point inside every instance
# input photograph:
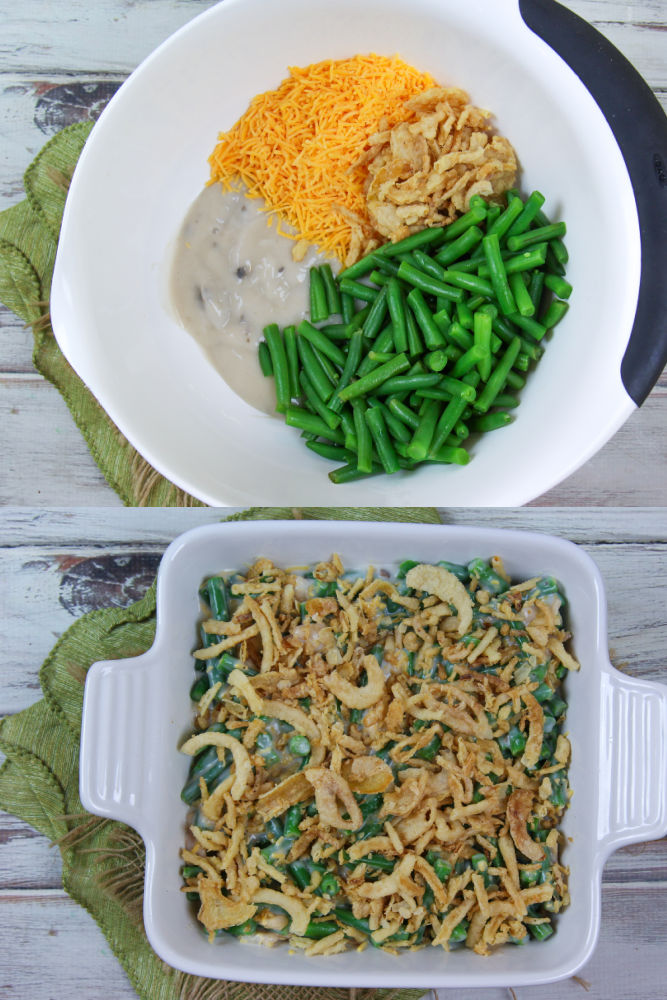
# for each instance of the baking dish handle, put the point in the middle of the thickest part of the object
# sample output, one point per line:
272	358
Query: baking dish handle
639	124
114	776
633	761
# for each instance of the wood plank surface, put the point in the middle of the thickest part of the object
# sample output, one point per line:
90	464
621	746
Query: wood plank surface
55	564
60	63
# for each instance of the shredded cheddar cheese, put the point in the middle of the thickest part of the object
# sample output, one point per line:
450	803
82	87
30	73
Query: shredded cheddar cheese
298	147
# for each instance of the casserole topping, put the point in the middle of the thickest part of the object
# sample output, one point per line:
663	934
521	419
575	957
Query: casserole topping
378	761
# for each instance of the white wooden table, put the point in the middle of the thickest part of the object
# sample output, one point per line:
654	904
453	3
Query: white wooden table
60	62
50	949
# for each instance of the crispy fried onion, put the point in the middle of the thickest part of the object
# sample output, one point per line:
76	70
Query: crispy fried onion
243	685
399	881
407	797
329	788
441	583
218	912
458	709
531	754
242	764
359	697
294	907
519	806
367	775
288	793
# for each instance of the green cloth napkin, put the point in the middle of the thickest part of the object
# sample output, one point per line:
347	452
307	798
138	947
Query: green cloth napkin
29	235
103	859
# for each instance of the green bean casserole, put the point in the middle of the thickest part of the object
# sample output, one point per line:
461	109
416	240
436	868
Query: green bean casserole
378	760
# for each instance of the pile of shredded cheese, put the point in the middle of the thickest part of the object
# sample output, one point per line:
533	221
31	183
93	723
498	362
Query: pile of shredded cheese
298	147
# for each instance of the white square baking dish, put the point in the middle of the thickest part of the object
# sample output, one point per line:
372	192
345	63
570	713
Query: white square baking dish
137	712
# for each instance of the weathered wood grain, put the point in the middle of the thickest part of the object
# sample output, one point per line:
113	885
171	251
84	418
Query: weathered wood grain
39	441
626	963
35	526
45	458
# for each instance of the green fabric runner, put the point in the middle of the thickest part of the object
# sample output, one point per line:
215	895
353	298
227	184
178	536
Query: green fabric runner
102	859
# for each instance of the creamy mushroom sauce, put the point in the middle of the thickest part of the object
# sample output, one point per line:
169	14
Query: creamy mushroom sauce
232	274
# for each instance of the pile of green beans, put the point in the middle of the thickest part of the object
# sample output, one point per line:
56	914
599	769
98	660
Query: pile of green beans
424	343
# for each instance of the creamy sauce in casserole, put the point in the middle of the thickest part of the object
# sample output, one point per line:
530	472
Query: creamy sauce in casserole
232	274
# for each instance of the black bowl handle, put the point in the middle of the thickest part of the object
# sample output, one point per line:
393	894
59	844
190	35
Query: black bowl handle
640	128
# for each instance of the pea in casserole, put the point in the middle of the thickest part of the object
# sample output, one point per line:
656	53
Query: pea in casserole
378	761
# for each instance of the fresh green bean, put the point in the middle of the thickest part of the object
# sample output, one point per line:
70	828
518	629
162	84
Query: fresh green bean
364	462
558	285
279	362
349	369
491	246
515	263
358	290
374	379
433	336
360	268
296	416
347	307
490	421
292	354
554	313
321	342
436	360
425	237
350	473
482	339
403	413
531	207
396	307
423	262
381	439
473	356
498	377
334	304
469	282
332	451
473	217
506	400
408	383
319	309
383	344
536	287
397	429
313	368
426	283
378	311
423	435
331	419
415	345
524	303
541	234
459	247
449	454
265	362
506	218
448	418
528	325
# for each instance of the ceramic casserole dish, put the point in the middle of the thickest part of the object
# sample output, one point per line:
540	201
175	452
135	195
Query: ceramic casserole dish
588	132
137	713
